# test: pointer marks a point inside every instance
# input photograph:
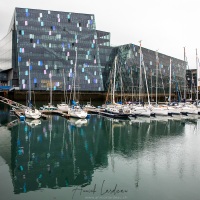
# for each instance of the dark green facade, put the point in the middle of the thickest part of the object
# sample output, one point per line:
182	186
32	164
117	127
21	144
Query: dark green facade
62	43
128	72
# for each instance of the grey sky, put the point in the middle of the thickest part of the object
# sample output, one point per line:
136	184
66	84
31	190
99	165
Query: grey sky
164	25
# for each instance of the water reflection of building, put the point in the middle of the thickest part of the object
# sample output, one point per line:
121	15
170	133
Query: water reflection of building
142	139
57	153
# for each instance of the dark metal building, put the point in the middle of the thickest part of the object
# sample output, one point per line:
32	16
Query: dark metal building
68	45
57	42
153	64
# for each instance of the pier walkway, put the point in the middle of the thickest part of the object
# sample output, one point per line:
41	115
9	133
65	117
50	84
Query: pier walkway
12	103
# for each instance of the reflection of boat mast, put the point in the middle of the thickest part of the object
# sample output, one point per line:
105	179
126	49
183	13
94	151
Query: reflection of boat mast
50	134
137	173
29	152
63	139
113	147
73	154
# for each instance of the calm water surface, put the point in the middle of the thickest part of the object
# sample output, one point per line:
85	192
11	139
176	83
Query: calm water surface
99	158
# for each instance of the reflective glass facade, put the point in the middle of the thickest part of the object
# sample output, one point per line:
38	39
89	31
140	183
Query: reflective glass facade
67	45
128	71
57	43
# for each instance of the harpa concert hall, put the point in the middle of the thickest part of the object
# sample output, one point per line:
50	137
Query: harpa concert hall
67	46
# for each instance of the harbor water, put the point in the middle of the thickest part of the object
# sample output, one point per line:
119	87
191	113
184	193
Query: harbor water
99	158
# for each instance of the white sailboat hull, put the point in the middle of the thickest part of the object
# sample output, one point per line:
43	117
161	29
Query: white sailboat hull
190	111
81	114
32	114
174	111
160	111
142	112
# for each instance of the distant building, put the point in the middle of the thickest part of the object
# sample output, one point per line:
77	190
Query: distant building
191	82
56	42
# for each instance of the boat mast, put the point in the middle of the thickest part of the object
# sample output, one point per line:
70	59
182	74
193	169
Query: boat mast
184	77
140	78
121	82
29	78
113	96
170	80
50	76
151	86
64	85
157	77
74	96
197	63
145	75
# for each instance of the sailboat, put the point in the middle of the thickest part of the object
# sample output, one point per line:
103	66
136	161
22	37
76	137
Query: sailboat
190	109
75	110
158	110
30	111
173	110
140	110
116	110
50	106
63	106
113	107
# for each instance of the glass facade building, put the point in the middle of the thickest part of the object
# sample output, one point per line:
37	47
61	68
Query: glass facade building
60	43
155	72
67	45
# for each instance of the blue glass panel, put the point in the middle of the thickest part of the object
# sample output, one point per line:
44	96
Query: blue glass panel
40	63
35	80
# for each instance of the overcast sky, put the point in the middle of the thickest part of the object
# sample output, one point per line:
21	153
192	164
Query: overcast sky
163	25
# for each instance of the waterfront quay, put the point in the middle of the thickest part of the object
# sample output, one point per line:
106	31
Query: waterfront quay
85	96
